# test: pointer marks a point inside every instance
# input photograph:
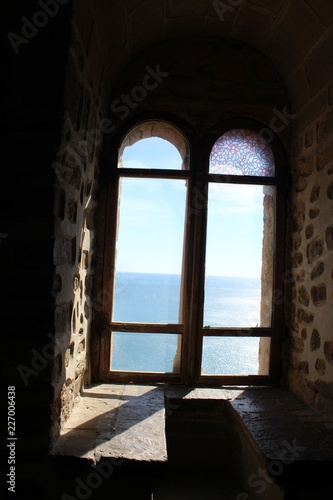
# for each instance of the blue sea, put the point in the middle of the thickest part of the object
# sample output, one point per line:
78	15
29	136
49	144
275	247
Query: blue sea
154	298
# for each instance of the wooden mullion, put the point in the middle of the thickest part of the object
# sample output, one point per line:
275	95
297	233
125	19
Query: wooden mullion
153	174
142	377
108	274
242	179
146	327
237	332
278	291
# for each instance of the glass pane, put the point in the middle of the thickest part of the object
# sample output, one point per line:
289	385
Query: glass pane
230	356
151	225
241	152
145	352
232	301
239	256
151	153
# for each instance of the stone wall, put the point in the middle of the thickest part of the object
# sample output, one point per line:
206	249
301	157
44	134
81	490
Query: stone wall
309	279
77	168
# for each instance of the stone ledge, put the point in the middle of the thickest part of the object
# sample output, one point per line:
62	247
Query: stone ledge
116	421
128	421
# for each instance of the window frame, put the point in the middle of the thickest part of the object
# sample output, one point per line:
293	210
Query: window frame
198	177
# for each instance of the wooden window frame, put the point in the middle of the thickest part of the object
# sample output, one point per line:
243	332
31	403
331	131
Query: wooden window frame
192	328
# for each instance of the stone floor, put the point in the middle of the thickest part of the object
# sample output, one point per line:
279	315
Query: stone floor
116	421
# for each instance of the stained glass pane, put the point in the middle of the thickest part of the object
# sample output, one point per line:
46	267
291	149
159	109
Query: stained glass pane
241	152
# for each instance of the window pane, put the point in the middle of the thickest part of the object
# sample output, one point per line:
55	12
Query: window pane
230	356
239	256
232	301
241	152
151	153
151	225
145	352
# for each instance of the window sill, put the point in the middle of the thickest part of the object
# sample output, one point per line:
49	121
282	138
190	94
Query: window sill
127	421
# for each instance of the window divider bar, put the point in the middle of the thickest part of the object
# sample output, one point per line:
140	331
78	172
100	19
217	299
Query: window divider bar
237	332
146	328
242	179
154	173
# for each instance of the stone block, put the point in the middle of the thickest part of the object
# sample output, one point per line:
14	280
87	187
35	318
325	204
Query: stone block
320	366
71	211
330	191
317	270
306	165
297	345
309	230
62	318
303	296
298	242
305	317
318	294
314	212
301	185
315	340
314	250
64	251
301	276
303	367
329	238
328	351
297	259
89	285
315	193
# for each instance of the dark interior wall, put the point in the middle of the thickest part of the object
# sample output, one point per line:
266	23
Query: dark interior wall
33	72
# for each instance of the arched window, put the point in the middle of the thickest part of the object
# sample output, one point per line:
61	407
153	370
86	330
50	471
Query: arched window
190	259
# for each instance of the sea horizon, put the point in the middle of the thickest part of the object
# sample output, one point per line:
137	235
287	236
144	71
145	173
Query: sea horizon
230	301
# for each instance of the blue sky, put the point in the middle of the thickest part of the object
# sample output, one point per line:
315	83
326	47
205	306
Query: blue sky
152	217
